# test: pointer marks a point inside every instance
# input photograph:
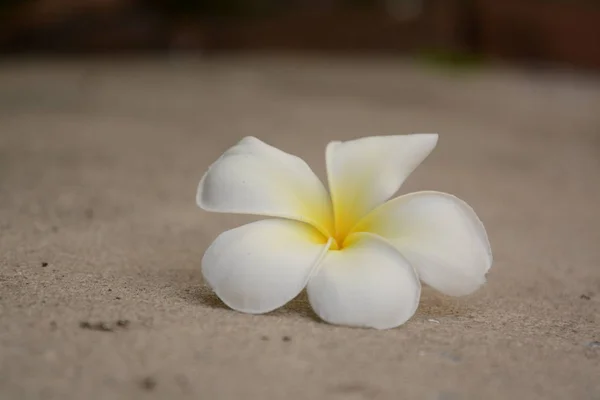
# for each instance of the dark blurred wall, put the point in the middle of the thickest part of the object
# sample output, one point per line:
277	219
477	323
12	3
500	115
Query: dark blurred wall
566	31
560	31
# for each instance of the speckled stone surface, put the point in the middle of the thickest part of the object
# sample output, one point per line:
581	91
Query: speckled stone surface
99	163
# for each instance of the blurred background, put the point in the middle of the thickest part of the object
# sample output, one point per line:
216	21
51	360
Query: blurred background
535	31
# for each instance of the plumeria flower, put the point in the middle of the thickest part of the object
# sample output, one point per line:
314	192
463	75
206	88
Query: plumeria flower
360	257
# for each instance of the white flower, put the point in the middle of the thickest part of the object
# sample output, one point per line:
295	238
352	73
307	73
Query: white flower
359	257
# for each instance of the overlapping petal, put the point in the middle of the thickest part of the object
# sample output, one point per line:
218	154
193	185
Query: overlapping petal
253	177
440	235
367	284
259	267
366	172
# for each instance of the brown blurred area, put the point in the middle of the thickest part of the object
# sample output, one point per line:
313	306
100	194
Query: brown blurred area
538	31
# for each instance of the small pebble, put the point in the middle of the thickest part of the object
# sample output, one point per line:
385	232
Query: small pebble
594	345
102	326
287	339
149	383
435	321
44	264
123	322
98	326
585	297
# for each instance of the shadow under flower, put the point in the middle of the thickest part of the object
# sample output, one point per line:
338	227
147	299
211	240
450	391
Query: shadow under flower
434	304
203	295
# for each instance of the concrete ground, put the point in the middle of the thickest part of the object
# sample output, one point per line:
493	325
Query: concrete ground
101	295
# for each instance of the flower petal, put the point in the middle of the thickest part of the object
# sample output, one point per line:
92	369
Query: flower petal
366	172
259	267
440	235
253	177
367	284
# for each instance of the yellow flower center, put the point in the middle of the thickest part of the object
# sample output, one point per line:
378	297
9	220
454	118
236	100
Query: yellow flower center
339	236
335	245
345	219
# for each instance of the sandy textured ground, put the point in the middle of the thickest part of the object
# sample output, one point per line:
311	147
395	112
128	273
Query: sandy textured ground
99	164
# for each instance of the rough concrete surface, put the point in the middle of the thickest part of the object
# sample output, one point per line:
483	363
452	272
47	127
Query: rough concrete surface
101	295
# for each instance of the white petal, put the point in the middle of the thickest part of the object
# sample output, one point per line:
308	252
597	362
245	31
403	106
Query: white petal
440	235
259	267
366	172
253	177
366	284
